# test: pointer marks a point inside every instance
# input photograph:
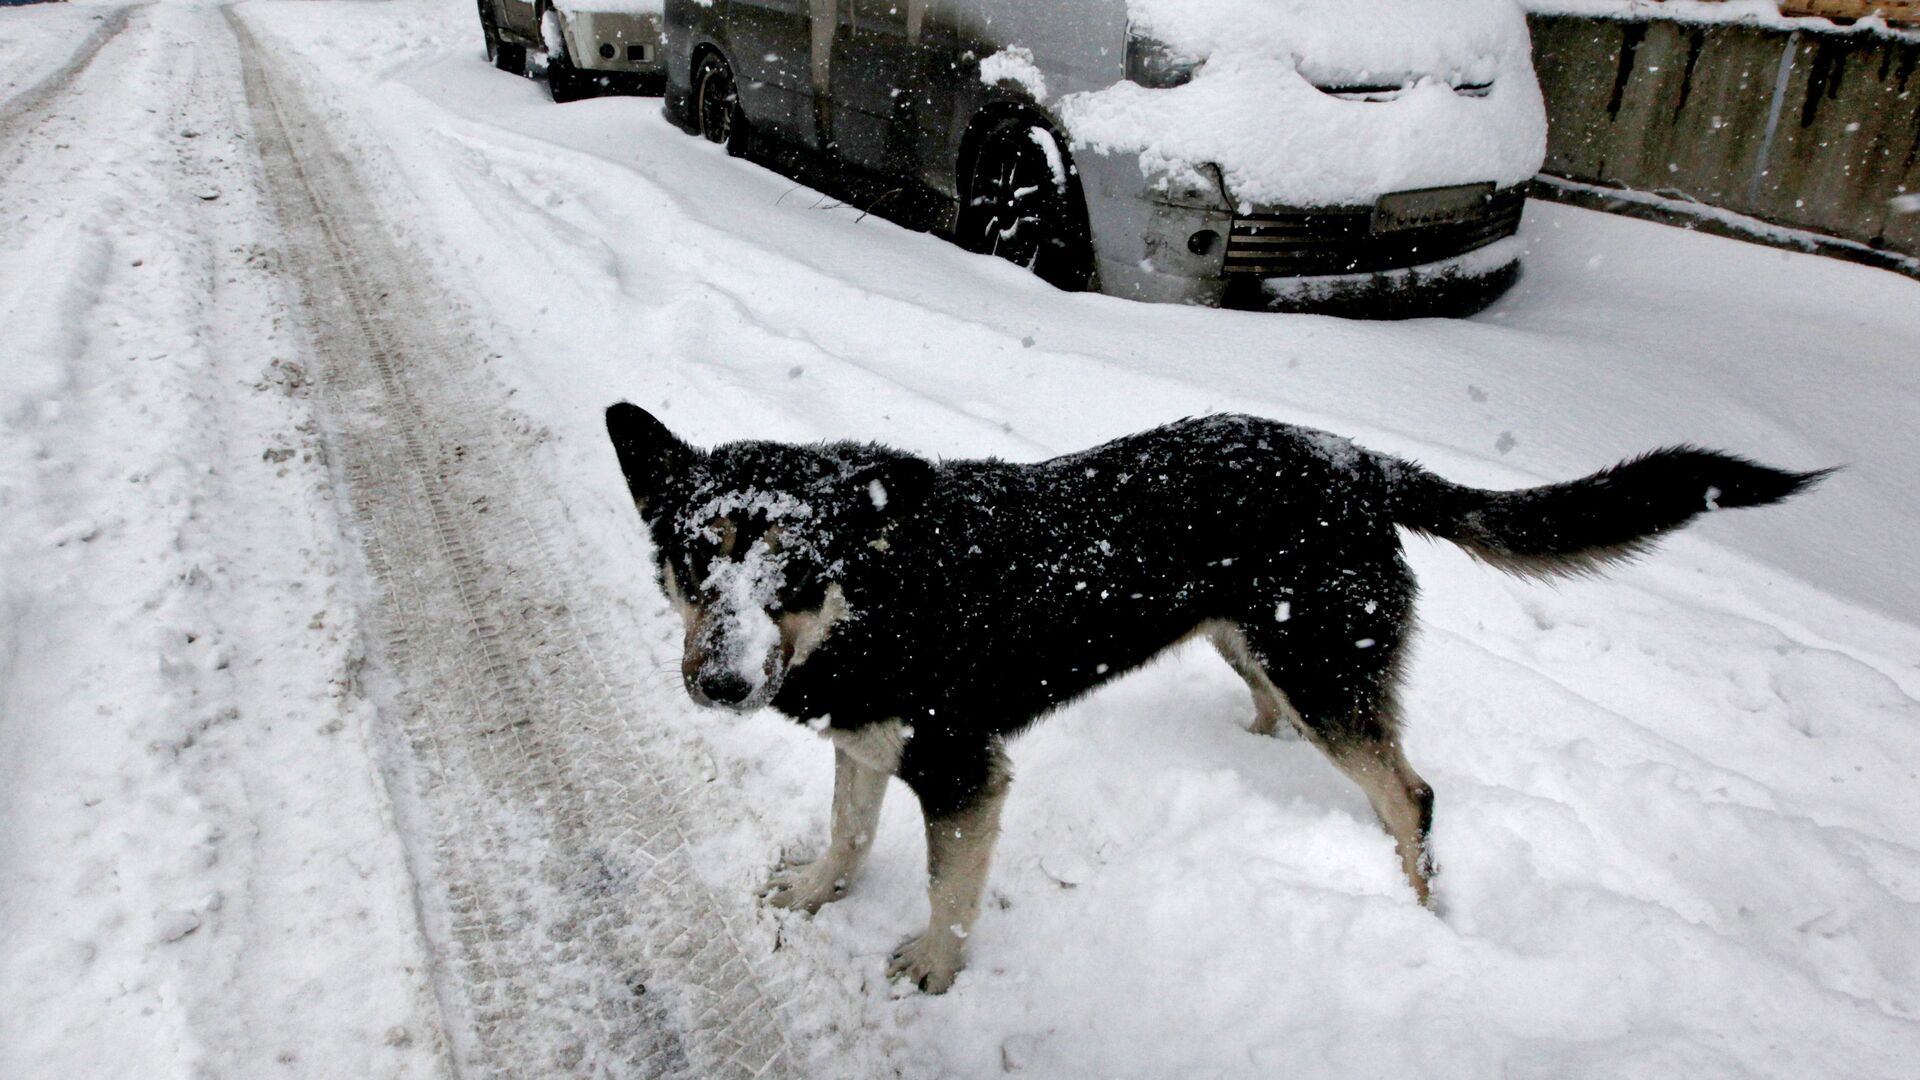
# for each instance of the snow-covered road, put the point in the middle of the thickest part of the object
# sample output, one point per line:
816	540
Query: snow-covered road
198	867
340	731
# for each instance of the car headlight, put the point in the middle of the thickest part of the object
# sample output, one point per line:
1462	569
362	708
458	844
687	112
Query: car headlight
1153	63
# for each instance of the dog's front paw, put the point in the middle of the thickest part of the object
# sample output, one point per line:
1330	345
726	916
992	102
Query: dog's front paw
929	962
805	886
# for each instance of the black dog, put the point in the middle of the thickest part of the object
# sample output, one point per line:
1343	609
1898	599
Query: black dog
920	613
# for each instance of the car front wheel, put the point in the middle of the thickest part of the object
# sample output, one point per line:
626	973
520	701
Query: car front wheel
503	54
564	81
1023	204
509	57
716	105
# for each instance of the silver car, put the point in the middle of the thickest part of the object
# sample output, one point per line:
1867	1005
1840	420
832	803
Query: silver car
591	47
1286	153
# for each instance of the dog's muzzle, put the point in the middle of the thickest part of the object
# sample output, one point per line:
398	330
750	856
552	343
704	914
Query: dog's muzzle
730	662
721	688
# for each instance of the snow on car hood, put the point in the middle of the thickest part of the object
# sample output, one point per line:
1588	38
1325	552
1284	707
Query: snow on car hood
1256	106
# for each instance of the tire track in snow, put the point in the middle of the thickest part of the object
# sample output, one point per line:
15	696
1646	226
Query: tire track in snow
551	839
26	108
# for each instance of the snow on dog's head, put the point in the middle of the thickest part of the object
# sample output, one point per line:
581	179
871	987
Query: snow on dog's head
735	655
759	544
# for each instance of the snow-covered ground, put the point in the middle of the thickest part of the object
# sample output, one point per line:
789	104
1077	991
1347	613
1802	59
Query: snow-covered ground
198	872
1676	808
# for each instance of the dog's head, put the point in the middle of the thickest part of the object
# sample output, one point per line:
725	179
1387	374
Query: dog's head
754	542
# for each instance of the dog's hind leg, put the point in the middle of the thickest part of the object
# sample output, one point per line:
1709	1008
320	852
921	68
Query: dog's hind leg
1270	706
1362	740
1402	801
962	800
1343	701
858	789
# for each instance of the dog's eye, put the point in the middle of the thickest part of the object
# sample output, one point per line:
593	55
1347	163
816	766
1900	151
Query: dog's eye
773	539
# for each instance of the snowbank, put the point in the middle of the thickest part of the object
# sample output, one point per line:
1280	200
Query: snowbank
1613	759
1676	808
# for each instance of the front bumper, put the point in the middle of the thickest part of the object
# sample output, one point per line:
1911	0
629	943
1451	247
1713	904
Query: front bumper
1348	239
1456	285
1190	244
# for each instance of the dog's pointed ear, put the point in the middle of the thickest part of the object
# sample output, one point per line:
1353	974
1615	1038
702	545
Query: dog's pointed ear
651	457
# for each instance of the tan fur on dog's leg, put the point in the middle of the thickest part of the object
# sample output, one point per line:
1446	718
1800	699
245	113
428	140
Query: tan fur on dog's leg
959	850
1270	706
1402	800
857	793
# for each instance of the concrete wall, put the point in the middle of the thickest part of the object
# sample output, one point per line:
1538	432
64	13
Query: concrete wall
1815	130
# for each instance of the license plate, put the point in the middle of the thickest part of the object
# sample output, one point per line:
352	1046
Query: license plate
1429	206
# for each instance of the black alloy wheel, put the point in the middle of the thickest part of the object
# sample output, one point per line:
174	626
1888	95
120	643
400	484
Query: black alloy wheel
1023	204
716	105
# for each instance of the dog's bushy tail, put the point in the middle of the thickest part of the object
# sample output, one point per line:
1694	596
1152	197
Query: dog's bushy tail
1583	525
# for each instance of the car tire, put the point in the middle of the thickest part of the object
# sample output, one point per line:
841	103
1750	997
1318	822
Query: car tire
716	105
1022	203
505	55
564	81
490	30
509	57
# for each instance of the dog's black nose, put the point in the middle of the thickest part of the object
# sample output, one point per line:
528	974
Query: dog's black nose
724	687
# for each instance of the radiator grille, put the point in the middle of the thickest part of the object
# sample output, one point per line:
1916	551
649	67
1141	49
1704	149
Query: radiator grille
1342	240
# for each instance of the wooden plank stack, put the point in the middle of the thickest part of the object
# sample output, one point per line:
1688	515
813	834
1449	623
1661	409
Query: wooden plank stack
1898	12
1895	12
